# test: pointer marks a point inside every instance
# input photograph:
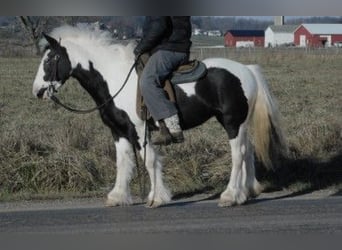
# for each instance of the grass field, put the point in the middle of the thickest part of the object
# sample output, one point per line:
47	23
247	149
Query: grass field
46	151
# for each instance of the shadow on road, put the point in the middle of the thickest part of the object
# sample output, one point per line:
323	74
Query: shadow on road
314	173
308	174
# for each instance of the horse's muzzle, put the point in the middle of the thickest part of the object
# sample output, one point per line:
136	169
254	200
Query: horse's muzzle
41	93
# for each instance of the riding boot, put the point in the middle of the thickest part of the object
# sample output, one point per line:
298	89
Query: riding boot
163	136
169	132
172	123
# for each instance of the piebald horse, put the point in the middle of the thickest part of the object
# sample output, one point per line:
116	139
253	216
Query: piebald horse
236	94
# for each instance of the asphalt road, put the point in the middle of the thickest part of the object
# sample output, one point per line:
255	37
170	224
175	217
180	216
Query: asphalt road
264	215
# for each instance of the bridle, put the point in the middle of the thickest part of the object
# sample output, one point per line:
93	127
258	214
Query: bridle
51	90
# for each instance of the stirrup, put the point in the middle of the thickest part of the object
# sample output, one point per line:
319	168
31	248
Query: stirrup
164	137
160	138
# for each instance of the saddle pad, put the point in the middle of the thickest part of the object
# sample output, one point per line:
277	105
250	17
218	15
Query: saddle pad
189	73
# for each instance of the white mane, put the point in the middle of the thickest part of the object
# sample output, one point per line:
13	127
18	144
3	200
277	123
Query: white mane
107	55
98	41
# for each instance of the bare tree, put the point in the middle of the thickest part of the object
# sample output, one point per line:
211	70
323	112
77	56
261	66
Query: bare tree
33	27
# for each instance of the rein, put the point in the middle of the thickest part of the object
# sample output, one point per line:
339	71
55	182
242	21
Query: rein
51	91
141	177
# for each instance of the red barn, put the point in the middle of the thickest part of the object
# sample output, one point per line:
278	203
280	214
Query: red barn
318	35
244	38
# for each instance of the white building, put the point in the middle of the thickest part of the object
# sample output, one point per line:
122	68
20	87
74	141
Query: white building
279	35
197	32
214	33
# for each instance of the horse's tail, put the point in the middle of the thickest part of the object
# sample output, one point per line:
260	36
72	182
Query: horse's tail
269	141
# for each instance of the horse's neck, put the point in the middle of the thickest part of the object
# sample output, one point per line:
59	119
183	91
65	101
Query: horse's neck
101	75
92	81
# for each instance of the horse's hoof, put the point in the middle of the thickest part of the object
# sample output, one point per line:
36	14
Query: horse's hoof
226	203
153	204
115	202
110	203
232	197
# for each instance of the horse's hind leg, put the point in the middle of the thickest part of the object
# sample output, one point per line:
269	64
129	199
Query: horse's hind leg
242	183
125	161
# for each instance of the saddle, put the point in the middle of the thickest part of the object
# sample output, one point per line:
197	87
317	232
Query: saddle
190	72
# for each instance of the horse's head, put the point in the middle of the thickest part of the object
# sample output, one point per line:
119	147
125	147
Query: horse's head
55	68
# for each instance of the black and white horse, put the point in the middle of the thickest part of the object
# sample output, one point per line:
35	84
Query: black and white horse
236	94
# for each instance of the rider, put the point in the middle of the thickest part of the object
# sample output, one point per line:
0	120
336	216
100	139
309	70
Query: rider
167	40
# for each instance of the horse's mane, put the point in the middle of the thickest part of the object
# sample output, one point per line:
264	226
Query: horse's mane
89	38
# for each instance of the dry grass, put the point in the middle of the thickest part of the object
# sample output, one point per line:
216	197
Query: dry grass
45	150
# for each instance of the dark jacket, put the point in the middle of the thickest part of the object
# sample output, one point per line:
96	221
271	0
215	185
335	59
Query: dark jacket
165	32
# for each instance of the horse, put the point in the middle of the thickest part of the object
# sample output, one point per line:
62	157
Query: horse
237	95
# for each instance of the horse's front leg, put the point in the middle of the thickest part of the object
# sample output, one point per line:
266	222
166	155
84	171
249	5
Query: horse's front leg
125	163
159	193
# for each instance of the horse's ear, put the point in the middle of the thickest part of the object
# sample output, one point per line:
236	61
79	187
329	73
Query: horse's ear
53	42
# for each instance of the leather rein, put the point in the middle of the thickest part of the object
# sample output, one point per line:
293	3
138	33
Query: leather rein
51	90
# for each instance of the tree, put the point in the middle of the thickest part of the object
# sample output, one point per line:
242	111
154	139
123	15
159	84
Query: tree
33	27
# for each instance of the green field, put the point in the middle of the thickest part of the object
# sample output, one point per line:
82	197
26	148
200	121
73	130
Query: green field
46	151
198	41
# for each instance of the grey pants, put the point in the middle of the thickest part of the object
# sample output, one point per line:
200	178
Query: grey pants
158	68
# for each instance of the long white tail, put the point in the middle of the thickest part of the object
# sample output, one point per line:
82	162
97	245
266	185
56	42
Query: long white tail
268	136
